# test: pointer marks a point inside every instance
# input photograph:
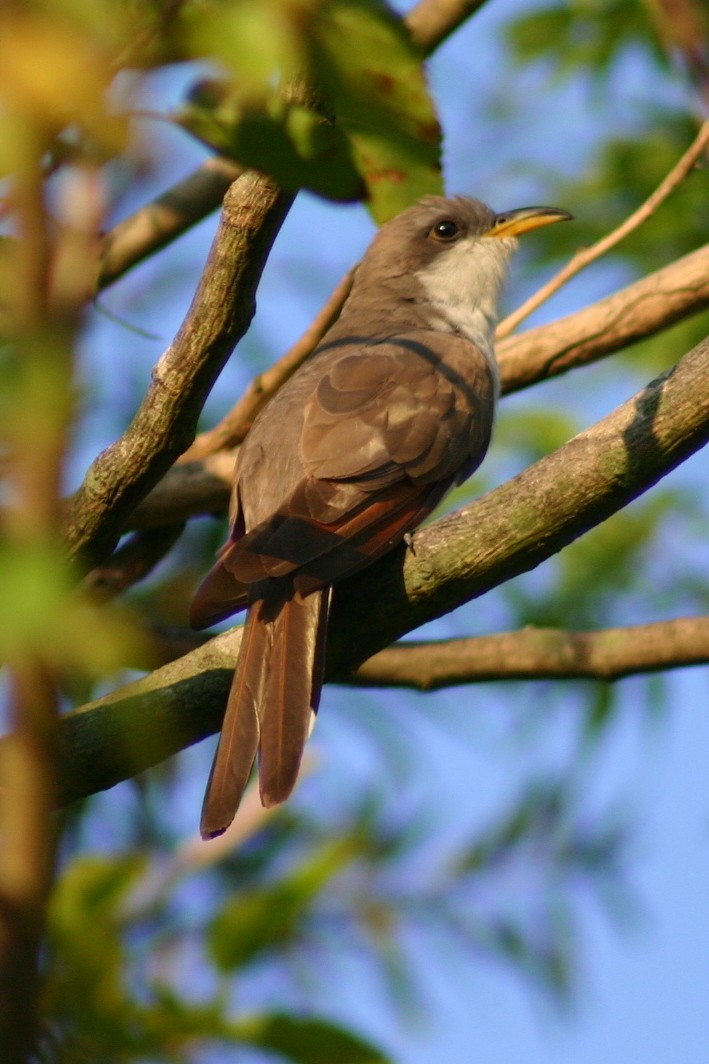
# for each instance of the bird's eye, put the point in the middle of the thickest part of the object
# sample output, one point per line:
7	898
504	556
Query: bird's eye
445	230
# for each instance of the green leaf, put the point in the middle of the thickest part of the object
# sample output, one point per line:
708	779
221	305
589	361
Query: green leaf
86	976
372	76
309	1041
337	103
40	613
259	41
261	919
288	140
569	37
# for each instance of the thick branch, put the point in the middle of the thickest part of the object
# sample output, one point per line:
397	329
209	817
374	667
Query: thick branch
507	532
164	426
529	518
540	654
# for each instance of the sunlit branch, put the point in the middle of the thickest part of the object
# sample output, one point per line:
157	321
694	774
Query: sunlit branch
528	654
642	309
540	654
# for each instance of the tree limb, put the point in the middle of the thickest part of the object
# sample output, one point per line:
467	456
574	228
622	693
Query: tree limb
642	309
507	532
157	224
540	654
432	21
531	653
164	425
133	561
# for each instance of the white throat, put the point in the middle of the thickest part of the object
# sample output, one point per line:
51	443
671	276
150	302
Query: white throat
463	285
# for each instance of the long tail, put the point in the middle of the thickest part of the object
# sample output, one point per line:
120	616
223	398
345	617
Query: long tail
273	697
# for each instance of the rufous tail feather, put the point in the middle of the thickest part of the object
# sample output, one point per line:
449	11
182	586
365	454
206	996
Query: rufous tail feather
240	733
291	693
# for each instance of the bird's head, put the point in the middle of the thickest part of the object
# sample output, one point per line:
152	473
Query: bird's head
452	253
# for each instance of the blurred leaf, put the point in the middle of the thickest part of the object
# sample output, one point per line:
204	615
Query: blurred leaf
87	948
51	76
587	35
349	57
309	1041
534	432
622	174
373	76
683	28
287	140
41	612
600	710
261	42
272	916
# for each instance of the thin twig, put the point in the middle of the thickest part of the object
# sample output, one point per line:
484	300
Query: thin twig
585	256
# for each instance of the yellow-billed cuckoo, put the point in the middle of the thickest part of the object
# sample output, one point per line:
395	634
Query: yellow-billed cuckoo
394	407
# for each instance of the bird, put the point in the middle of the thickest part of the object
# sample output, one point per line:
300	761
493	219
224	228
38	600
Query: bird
393	408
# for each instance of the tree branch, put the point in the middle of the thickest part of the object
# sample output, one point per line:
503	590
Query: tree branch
642	309
507	532
528	654
164	426
432	21
133	561
540	654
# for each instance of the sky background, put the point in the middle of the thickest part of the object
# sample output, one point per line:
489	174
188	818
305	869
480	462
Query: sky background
642	990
